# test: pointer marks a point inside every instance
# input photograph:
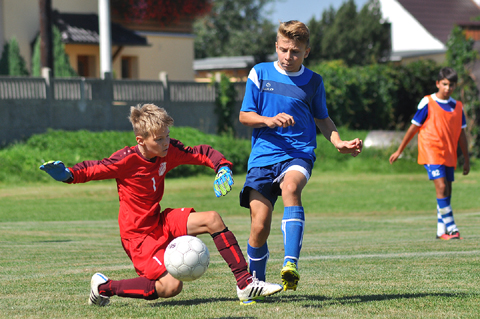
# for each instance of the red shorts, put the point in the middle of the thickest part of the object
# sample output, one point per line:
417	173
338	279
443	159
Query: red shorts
147	252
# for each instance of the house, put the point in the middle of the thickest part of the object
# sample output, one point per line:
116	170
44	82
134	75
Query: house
420	29
138	51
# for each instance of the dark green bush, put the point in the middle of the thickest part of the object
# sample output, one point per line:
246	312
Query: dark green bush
378	96
20	162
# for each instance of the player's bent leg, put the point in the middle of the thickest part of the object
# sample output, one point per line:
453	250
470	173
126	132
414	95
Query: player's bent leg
204	222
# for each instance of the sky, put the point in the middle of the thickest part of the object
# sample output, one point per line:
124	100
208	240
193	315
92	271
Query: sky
304	10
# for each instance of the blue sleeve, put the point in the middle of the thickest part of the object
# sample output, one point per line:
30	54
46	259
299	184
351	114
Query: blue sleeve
250	99
422	112
320	103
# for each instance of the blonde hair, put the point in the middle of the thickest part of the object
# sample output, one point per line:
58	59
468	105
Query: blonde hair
294	30
148	119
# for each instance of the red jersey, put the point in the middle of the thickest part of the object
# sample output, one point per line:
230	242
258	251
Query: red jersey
141	182
438	136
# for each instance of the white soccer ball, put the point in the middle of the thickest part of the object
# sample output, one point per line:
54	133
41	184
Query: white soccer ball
187	258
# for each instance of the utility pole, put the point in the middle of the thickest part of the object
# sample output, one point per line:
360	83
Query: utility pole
46	36
105	38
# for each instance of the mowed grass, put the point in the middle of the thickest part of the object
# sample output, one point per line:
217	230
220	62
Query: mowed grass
369	251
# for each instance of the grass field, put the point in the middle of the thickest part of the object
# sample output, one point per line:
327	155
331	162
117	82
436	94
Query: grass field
369	251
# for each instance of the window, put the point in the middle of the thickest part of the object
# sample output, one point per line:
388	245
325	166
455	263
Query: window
129	67
86	65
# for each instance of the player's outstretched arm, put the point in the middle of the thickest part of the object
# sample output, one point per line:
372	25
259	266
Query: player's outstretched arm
57	170
329	130
223	182
412	130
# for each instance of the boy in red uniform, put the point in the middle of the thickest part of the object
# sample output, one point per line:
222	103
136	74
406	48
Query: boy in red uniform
440	123
145	229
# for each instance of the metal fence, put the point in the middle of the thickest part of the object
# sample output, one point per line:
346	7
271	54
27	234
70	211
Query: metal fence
20	88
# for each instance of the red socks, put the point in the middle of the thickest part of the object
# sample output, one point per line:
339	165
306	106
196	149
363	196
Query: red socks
228	248
140	288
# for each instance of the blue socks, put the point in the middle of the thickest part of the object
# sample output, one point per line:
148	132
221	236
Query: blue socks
292	228
445	213
257	260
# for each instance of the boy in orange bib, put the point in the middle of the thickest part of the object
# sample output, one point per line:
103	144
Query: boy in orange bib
440	123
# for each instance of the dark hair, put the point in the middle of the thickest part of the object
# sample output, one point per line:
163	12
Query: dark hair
449	74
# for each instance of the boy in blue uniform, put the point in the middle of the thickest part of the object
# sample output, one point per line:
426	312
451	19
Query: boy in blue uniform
283	103
440	123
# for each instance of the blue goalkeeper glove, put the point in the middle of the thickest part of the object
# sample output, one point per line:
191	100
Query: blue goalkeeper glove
57	170
223	181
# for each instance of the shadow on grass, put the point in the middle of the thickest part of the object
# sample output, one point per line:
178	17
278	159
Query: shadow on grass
357	299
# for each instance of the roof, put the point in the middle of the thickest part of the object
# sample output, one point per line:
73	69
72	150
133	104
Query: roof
83	29
230	62
439	16
399	55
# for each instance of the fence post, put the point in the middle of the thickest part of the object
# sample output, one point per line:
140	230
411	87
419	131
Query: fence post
108	99
166	90
47	75
49	94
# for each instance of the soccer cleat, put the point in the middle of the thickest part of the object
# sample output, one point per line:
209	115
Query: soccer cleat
290	276
455	235
252	301
256	291
95	298
452	235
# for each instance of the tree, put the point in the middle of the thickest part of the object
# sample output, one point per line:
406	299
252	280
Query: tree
225	105
357	38
235	28
317	32
62	64
11	62
163	11
461	56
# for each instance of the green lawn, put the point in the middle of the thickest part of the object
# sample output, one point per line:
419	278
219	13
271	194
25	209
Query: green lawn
369	251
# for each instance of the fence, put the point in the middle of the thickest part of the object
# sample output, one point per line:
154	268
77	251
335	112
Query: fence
32	105
25	88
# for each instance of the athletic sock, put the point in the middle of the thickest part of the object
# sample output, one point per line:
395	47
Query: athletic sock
139	288
292	228
257	259
447	214
229	249
441	229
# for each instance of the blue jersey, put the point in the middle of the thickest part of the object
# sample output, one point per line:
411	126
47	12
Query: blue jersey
422	111
270	90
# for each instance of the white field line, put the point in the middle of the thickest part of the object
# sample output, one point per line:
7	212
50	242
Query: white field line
393	255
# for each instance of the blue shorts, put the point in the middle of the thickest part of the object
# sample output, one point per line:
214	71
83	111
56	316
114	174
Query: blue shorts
266	180
439	171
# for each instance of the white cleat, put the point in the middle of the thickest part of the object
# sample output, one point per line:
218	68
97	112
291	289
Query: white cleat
95	298
256	290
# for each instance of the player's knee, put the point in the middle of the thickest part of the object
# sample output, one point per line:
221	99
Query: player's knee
214	221
168	289
291	189
260	230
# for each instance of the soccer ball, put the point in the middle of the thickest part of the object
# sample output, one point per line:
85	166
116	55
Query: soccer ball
186	258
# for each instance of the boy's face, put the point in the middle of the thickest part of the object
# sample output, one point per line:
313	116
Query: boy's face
445	89
291	53
155	144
